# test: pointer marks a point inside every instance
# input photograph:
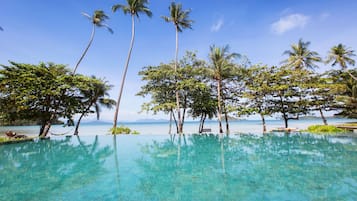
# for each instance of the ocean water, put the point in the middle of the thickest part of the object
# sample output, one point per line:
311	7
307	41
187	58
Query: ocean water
154	128
295	167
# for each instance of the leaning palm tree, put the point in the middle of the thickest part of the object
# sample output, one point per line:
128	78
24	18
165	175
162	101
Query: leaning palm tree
180	19
133	7
221	62
300	57
93	98
97	19
341	55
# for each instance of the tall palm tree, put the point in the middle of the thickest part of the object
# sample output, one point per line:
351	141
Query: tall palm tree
221	62
133	7
301	57
95	97
180	19
97	19
341	55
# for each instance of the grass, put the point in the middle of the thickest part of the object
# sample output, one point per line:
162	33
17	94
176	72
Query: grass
325	129
7	140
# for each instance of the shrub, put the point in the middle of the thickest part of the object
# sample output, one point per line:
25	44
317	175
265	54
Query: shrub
123	130
324	129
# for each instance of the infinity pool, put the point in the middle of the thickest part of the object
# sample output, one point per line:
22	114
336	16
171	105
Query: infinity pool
193	167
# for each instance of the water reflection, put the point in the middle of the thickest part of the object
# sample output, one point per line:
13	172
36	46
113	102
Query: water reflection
48	168
246	167
181	167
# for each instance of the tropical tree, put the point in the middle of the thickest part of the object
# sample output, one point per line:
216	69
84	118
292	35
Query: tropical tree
323	93
347	97
97	20
258	92
301	57
43	92
134	8
342	56
93	97
180	19
221	65
289	92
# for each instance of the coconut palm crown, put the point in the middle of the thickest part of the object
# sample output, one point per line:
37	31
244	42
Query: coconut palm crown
179	17
97	19
341	55
301	57
134	7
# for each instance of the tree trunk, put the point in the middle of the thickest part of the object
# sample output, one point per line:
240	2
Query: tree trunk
125	71
77	125
85	51
263	121
219	106
200	127
175	120
323	117
177	92
226	118
286	119
170	123
46	125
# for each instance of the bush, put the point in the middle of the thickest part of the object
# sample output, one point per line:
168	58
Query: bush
324	129
123	130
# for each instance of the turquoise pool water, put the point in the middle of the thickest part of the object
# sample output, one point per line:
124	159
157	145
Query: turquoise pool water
193	167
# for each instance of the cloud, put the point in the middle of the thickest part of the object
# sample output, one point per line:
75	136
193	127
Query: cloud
217	25
289	22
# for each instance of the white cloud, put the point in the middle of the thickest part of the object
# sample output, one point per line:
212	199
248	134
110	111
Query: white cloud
289	22
217	25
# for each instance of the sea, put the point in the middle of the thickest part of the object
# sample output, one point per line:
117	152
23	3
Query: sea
162	127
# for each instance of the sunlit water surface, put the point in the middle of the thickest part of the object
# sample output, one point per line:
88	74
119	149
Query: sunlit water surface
191	167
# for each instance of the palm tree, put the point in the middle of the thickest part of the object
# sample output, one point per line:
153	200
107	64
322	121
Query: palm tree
341	55
94	98
301	57
180	19
133	7
1	29
97	20
221	62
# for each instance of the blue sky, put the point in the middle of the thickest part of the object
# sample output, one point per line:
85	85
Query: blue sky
55	31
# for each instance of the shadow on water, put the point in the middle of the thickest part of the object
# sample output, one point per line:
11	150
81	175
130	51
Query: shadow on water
45	169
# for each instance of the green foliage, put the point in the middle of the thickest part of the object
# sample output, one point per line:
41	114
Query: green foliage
123	130
324	129
44	93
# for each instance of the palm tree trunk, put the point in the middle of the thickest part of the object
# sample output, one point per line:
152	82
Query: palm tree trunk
85	51
125	71
177	93
170	124
323	117
226	118
219	106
